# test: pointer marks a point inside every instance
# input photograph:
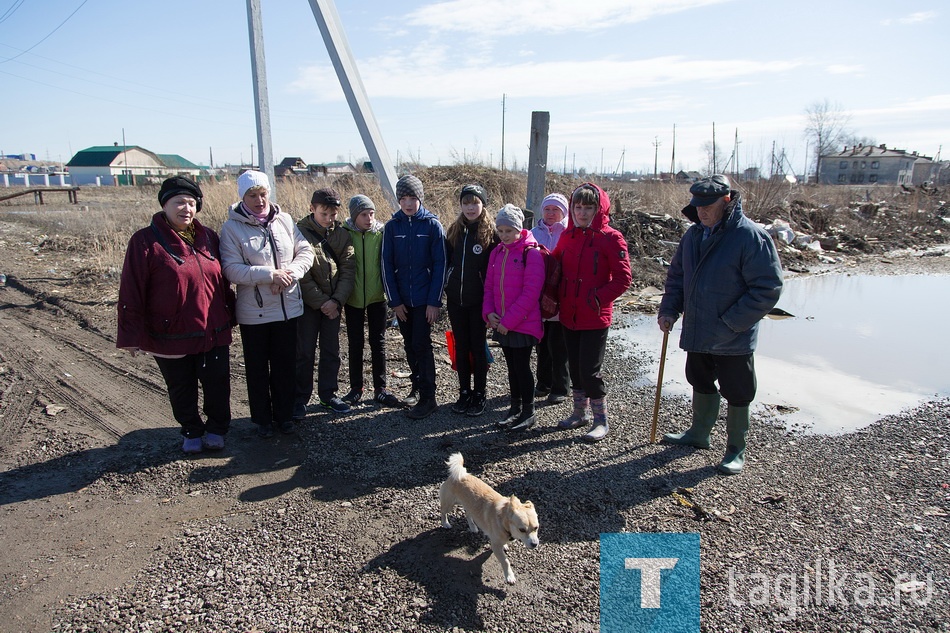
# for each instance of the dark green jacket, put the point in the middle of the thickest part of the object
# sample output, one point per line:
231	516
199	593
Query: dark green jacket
328	278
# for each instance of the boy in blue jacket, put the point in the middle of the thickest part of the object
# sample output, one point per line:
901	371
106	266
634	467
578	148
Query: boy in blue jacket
414	264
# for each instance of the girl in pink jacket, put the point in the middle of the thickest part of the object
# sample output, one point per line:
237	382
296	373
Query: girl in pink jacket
512	309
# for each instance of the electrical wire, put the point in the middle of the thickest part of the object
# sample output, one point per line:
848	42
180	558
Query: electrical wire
9	59
9	12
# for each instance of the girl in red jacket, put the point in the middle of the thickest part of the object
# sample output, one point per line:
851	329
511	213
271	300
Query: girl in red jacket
595	271
512	308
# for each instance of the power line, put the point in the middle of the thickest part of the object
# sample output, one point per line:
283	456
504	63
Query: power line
9	12
9	59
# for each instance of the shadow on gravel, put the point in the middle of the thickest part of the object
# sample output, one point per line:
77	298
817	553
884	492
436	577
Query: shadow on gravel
452	584
135	451
146	449
579	505
376	450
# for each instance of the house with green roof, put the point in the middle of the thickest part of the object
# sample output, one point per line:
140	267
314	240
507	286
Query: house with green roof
117	164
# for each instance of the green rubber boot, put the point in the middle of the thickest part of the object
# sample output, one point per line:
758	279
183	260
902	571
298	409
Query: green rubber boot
705	412
737	425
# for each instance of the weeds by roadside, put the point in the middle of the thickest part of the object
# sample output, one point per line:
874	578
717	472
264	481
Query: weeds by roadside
859	219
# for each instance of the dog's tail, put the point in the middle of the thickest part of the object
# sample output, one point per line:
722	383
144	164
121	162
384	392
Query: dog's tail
456	467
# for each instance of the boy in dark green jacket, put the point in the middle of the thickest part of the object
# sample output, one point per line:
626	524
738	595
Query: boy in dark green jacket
325	288
367	303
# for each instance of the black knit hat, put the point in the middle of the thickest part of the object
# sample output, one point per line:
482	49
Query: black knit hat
177	185
474	190
327	197
409	186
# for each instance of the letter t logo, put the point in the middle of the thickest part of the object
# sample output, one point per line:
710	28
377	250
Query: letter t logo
649	578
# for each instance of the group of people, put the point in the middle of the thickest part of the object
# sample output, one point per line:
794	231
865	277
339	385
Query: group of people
294	280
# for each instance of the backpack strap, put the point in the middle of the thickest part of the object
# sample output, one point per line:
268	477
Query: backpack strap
325	245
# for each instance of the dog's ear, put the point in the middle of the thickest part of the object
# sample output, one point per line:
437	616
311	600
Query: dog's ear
514	501
528	505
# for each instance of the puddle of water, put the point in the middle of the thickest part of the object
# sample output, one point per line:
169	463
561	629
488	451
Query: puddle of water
859	348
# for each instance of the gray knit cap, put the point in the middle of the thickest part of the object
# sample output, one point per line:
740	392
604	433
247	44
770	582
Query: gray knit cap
510	215
358	204
409	186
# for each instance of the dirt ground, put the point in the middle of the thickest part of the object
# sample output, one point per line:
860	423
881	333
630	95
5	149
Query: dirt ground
94	491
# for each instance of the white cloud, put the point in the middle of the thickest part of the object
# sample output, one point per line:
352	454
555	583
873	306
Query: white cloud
913	18
427	76
489	18
920	16
845	69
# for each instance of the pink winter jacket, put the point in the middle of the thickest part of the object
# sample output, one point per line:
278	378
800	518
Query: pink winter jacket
513	286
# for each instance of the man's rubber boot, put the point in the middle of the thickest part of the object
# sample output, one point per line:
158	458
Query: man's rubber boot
705	412
737	426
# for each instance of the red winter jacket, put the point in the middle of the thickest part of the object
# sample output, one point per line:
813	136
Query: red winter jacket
595	269
173	298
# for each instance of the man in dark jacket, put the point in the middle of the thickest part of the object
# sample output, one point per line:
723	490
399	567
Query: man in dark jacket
724	278
414	276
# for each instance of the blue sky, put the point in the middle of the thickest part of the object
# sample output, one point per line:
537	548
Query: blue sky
616	76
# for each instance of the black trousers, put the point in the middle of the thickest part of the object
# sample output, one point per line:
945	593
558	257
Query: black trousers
375	315
212	370
269	353
585	358
470	359
314	326
520	379
417	340
553	371
736	376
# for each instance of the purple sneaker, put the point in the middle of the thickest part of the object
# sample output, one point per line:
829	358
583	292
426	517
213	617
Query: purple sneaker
191	445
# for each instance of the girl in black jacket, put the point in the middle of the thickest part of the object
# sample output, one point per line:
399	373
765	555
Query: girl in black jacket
470	239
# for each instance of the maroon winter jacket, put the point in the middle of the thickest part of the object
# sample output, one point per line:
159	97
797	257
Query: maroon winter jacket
173	299
595	269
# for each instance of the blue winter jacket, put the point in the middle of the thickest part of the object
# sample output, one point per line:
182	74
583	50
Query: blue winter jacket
414	259
724	285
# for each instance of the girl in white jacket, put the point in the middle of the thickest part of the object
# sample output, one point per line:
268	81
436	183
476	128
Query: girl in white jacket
264	254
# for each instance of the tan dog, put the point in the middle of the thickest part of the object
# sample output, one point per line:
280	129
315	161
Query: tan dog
501	519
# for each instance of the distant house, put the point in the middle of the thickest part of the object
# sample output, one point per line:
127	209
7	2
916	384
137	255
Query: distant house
687	176
332	169
869	164
113	164
291	166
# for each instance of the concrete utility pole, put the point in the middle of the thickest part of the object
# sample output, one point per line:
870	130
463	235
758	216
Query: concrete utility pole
324	11
255	31
537	161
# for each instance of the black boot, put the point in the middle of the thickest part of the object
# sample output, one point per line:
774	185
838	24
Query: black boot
513	413
527	418
465	399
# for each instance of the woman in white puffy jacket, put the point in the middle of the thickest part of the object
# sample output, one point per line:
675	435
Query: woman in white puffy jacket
264	255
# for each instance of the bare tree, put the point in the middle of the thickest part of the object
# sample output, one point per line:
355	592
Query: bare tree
714	157
853	139
826	125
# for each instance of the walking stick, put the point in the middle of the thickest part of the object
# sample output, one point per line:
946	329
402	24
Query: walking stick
659	387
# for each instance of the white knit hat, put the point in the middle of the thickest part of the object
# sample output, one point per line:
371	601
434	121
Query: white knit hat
250	179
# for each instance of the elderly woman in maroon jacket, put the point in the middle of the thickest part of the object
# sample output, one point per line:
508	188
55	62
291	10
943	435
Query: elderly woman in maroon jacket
595	270
175	304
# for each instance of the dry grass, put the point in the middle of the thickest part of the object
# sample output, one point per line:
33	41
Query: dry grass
99	227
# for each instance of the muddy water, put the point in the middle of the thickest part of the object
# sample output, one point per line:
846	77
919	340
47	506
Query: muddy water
859	348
